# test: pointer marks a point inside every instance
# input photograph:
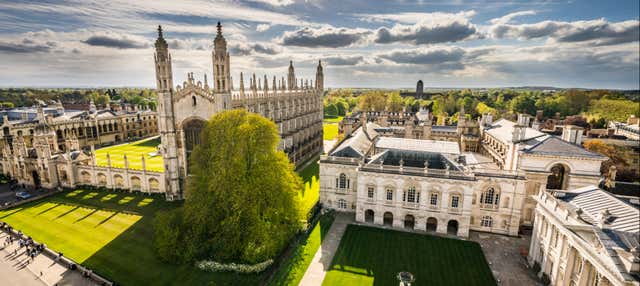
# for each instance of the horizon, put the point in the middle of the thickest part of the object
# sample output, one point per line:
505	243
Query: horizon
391	45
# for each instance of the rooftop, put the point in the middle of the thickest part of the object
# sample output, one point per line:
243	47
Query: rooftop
418	145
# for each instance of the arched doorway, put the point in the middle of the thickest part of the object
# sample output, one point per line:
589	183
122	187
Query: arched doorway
368	216
192	129
36	178
388	219
452	227
432	224
409	222
556	180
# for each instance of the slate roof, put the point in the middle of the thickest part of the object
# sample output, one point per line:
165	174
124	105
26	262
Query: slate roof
593	201
552	145
503	131
358	144
419	145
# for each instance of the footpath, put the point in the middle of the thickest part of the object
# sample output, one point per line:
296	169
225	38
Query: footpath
322	259
41	270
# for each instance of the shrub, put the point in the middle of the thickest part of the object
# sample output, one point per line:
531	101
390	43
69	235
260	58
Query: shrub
210	265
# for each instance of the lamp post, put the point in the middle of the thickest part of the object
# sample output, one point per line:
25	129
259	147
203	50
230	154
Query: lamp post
406	278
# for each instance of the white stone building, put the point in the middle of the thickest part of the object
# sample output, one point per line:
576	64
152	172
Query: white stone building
432	185
295	105
586	236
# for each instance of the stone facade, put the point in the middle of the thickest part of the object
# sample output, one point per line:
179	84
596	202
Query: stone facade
295	105
484	184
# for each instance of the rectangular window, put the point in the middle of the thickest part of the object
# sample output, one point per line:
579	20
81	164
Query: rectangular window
411	196
455	200
370	192
389	195
434	199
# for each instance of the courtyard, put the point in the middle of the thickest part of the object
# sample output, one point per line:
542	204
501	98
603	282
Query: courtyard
374	256
134	151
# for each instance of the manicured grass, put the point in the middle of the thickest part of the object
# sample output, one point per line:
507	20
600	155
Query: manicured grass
111	233
373	256
134	151
329	131
292	271
330	127
311	193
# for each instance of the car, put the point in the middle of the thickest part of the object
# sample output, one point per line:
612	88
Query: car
23	195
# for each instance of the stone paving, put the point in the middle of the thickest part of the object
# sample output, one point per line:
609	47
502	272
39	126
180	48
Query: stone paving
504	254
322	259
40	271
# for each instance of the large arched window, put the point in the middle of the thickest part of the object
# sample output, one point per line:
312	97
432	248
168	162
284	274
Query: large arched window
556	180
490	198
486	221
342	182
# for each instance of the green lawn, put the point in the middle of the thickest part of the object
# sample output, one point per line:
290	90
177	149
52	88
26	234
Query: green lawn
291	272
134	151
330	127
373	256
311	193
112	234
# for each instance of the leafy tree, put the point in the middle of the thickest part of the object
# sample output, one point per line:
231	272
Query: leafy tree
242	200
394	102
373	101
523	104
331	110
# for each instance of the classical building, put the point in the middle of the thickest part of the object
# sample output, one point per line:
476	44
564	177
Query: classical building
50	147
586	236
478	175
294	104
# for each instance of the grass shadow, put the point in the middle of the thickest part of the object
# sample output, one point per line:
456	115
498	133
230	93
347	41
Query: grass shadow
86	216
67	212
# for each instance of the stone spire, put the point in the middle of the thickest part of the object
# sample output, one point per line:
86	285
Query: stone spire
206	83
274	86
241	82
319	76
221	66
291	77
164	74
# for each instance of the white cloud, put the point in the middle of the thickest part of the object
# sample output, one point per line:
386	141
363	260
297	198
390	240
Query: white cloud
507	18
413	18
262	27
275	2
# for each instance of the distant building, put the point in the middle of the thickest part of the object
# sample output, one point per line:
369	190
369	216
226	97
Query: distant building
419	89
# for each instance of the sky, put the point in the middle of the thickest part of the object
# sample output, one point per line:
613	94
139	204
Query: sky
362	43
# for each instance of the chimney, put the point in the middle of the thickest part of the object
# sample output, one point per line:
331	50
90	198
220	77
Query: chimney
523	120
572	134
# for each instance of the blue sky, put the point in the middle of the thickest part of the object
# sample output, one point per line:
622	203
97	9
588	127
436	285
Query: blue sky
374	43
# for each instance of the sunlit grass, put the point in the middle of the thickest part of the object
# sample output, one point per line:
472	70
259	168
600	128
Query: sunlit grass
311	193
134	151
78	231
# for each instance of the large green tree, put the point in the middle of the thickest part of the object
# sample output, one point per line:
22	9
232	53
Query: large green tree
242	200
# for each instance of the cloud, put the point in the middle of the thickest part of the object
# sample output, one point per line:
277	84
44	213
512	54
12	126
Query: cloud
341	60
118	41
427	32
326	36
599	32
413	18
262	27
244	49
26	47
507	18
275	2
425	56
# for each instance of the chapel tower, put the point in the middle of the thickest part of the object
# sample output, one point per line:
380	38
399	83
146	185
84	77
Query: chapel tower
221	71
291	77
166	117
319	77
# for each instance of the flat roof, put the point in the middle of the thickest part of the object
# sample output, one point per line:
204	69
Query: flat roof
433	146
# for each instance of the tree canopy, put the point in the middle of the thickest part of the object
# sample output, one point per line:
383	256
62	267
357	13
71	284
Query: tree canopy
242	200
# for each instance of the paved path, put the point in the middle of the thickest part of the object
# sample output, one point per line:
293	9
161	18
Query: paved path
43	270
504	257
322	259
